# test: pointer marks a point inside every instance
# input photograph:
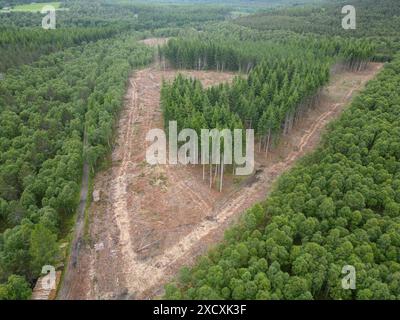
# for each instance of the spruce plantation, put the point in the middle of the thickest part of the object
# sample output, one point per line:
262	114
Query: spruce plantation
322	195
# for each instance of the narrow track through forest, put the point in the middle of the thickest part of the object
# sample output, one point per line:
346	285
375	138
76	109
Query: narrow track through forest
151	221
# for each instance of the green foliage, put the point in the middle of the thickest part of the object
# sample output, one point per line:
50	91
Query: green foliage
377	23
226	46
338	207
45	108
284	78
89	21
21	46
43	247
372	19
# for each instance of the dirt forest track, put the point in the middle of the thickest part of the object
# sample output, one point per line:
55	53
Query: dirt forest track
152	220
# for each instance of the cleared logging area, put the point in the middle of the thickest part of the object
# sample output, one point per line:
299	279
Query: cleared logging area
150	221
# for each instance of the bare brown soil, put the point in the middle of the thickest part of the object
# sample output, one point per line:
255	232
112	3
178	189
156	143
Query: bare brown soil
150	221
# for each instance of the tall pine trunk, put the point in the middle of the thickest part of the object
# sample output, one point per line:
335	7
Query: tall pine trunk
222	173
268	142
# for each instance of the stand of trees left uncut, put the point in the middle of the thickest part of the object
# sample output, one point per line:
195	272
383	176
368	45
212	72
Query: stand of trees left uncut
64	93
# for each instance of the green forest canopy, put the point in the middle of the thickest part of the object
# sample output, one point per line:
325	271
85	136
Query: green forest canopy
60	83
339	206
55	86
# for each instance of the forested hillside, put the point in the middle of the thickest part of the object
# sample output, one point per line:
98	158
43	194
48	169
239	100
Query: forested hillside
224	46
339	206
22	40
56	87
61	92
372	19
46	108
25	46
11	3
378	22
285	74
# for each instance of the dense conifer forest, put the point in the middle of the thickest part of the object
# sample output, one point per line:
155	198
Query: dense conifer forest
339	206
283	81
